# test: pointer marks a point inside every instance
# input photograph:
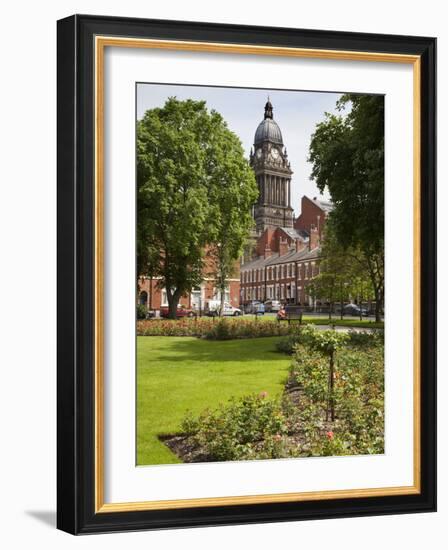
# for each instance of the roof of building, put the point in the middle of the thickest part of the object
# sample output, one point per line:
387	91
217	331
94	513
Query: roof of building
326	206
268	130
291	256
296	233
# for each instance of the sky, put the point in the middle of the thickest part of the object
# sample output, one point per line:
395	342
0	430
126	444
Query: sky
296	112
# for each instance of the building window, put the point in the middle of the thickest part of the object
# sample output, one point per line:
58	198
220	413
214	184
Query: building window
143	298
306	271
164	301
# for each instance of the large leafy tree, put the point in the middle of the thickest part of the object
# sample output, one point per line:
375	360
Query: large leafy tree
183	155
343	272
347	153
232	194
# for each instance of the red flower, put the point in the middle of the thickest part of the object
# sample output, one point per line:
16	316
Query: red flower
330	435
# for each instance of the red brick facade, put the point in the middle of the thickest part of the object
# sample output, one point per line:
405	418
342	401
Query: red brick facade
152	294
154	297
287	259
313	214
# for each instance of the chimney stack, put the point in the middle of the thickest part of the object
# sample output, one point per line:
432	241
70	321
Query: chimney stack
314	237
300	245
283	246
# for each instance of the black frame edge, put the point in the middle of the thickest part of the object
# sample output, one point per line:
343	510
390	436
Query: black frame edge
76	275
67	480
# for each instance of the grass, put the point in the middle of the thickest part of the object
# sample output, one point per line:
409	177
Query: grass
177	374
365	323
337	321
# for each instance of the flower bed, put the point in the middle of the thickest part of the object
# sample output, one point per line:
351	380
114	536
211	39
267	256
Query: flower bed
213	329
256	427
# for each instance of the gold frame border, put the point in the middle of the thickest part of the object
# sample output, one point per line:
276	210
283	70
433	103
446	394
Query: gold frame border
101	42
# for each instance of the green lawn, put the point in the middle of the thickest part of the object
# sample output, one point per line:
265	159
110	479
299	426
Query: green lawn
177	374
336	320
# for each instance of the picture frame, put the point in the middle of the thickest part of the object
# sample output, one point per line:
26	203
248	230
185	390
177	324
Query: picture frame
82	42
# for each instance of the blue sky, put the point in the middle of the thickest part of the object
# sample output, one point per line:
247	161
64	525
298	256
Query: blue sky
297	114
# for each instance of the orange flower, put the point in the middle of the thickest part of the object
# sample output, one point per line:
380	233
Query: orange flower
330	435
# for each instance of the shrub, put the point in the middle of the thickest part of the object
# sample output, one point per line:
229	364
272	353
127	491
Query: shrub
141	311
248	428
212	329
231	329
358	391
172	327
221	330
362	339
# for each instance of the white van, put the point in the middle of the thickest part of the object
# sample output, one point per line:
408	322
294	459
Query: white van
212	309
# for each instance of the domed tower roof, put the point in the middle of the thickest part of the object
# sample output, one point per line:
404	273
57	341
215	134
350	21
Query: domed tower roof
268	129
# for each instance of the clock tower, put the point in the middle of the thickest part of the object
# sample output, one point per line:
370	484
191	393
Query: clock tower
270	163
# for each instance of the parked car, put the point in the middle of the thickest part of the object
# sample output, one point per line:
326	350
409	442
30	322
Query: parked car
255	307
272	306
213	306
182	311
353	309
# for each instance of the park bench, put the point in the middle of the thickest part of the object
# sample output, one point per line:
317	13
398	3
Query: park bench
292	313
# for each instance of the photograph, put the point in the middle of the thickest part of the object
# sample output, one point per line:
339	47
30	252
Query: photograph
260	274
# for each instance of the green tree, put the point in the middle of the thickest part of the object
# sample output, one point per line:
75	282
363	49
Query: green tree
347	153
233	193
326	342
343	272
181	149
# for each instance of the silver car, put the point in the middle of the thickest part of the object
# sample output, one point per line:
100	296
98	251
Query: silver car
272	305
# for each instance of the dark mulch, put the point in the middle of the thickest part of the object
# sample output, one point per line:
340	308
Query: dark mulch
182	446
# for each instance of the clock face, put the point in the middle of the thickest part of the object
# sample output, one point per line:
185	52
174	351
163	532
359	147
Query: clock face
258	153
274	153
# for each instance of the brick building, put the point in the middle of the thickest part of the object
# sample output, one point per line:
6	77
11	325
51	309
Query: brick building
287	249
153	296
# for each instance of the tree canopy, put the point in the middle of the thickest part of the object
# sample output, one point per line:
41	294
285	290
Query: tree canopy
194	192
347	153
343	272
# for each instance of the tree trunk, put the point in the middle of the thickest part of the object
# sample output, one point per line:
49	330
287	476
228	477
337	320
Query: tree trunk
378	306
221	305
331	384
329	414
173	301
